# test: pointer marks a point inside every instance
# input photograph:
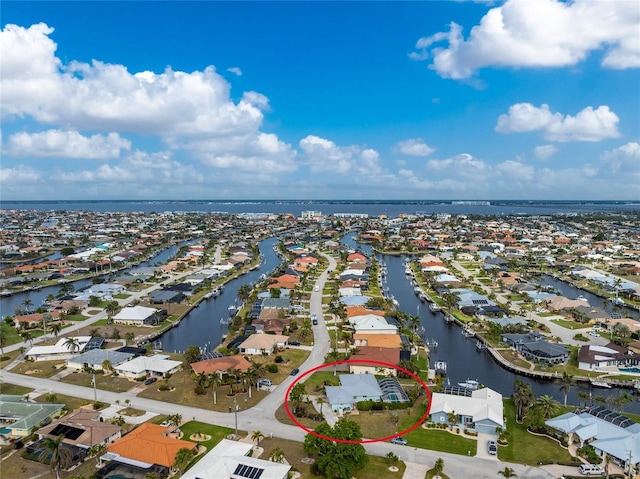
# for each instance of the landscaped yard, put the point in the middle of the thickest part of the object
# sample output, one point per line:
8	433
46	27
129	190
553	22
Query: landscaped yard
441	440
70	403
526	448
14	389
571	324
38	369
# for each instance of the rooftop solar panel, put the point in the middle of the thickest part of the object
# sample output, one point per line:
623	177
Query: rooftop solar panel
69	432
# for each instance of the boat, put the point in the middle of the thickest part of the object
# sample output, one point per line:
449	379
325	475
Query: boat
263	277
440	367
208	296
432	343
601	384
435	307
480	346
468	333
224	321
470	384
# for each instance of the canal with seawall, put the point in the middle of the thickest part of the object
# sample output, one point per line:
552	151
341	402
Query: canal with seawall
464	360
201	326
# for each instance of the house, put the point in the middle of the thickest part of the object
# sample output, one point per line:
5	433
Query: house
82	429
95	359
229	459
259	343
372	324
221	365
157	366
481	412
606	431
148	448
536	347
136	316
605	358
29	321
61	350
370	353
18	417
353	388
165	296
377	340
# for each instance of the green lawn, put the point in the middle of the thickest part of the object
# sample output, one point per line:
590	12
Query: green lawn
108	383
524	447
441	440
318	378
14	389
70	403
571	324
217	433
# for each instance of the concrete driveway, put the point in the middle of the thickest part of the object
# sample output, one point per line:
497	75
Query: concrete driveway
483	450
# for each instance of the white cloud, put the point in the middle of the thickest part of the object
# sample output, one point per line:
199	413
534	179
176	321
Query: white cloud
324	155
106	97
587	125
462	165
414	147
235	70
625	158
515	170
543	152
538	33
66	144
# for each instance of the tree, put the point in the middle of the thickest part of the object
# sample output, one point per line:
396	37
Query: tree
336	459
215	381
175	420
72	344
192	354
112	308
28	304
129	337
53	450
508	472
107	366
4	336
523	397
565	385
438	467
320	402
27	336
244	292
277	455
183	458
296	395
257	436
548	406
97	451
56	328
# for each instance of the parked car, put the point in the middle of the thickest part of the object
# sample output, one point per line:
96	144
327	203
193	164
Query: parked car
492	447
591	470
593	333
316	289
294	343
264	382
315	322
295	371
150	381
399	440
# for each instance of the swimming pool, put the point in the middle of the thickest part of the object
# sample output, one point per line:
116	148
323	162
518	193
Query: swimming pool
631	370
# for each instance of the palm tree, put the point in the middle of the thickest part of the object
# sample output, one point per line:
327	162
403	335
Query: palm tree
257	436
107	366
112	308
27	336
565	385
97	451
508	472
438	467
623	400
523	397
215	381
277	455
548	406
56	328
175	420
59	456
27	303
129	337
72	344
320	402
259	369
183	458
584	397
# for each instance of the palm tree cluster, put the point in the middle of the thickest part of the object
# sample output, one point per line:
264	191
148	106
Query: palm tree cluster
534	411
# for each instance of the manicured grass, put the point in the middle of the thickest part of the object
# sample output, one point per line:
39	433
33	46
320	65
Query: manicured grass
378	468
217	433
441	440
526	448
295	356
122	296
378	424
570	324
132	412
317	379
432	472
70	403
38	369
14	389
513	358
76	317
283	417
8	357
108	383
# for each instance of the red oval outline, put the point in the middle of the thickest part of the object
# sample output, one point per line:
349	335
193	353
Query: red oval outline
350	441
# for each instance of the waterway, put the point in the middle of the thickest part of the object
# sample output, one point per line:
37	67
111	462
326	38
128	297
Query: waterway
463	360
201	327
8	304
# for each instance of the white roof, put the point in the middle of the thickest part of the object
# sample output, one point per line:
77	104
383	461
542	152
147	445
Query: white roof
368	322
142	364
483	404
223	460
263	341
59	347
135	313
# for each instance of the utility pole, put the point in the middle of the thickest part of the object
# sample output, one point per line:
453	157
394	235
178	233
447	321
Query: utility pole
235	410
95	391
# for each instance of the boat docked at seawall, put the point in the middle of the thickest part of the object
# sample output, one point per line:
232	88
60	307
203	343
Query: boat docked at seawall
601	384
434	307
440	367
470	384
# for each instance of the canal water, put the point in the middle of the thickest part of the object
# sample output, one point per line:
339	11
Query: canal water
8	304
201	327
463	359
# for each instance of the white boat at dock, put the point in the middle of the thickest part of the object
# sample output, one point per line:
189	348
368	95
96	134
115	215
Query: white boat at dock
480	346
208	296
470	384
435	307
224	321
601	384
440	367
468	333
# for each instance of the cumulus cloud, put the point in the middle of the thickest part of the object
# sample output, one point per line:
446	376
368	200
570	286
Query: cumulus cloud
101	96
66	144
537	33
235	71
413	147
324	155
543	152
587	125
463	165
625	158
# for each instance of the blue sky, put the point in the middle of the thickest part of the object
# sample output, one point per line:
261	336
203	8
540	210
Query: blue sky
526	99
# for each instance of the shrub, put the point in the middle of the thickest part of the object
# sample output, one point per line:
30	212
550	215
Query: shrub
199	390
164	387
364	405
141	378
97	405
272	368
18	444
279	359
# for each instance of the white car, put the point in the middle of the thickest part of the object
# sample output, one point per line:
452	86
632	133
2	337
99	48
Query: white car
593	333
591	470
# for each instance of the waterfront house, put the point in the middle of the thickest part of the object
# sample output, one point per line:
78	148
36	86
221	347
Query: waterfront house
353	388
230	459
95	359
606	431
372	324
377	340
370	353
534	346
165	296
137	316
481	412
29	321
18	417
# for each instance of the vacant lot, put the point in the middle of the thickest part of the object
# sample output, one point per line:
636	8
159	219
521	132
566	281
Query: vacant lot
38	369
14	389
106	382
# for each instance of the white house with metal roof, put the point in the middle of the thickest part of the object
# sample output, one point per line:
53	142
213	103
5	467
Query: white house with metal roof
153	366
482	411
60	350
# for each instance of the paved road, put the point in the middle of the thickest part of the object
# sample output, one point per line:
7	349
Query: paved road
261	417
